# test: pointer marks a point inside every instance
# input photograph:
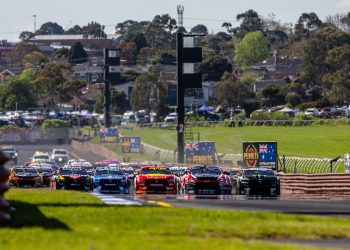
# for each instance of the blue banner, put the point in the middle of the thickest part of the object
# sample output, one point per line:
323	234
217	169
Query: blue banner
200	153
131	145
108	135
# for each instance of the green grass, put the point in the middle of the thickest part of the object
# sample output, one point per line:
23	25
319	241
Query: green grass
309	141
73	220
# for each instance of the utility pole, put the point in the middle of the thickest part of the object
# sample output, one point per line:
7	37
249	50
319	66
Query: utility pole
34	16
186	54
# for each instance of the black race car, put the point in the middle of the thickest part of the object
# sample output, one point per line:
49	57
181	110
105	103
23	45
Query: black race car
73	178
258	181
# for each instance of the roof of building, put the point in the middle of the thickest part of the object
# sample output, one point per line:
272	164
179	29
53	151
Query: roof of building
71	37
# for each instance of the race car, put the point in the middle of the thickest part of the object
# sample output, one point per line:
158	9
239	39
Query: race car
129	172
155	179
109	180
41	157
87	166
25	177
11	152
46	171
206	180
60	156
257	181
72	178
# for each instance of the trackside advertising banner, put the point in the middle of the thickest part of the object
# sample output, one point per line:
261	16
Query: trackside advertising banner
108	135
131	145
260	154
200	153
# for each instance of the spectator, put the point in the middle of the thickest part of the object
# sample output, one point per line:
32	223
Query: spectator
240	122
232	119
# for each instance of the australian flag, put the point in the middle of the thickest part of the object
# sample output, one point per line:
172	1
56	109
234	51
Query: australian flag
200	149
267	152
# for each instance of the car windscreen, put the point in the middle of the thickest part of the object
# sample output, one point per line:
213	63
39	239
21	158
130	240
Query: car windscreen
25	170
60	152
156	171
197	171
127	171
258	172
46	157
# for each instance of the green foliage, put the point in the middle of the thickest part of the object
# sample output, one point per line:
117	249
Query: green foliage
94	30
77	54
159	32
200	28
61	53
54	123
138	38
8	127
50	28
252	49
75	30
280	116
304	117
250	22
261	116
98	107
165	57
293	99
214	68
306	105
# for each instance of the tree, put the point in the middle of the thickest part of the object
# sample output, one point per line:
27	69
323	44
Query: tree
270	92
293	99
128	52
20	51
94	30
26	35
61	53
148	93
50	28
214	67
75	30
18	90
200	28
159	32
250	22
231	92
34	59
129	27
307	22
252	49
68	89
139	39
165	57
77	54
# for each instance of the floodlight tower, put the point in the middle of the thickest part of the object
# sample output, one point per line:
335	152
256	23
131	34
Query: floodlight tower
34	16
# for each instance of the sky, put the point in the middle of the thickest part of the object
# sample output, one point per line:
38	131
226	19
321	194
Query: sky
17	15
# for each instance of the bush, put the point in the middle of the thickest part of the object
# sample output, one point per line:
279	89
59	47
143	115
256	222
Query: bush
280	116
8	127
54	123
293	99
261	116
307	105
302	119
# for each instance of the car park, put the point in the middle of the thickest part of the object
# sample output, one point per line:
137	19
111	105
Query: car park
171	117
313	112
25	177
260	181
206	180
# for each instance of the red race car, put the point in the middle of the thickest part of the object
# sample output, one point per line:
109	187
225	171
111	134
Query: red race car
155	179
206	180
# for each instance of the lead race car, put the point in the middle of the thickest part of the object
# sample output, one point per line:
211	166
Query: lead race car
110	179
205	180
155	179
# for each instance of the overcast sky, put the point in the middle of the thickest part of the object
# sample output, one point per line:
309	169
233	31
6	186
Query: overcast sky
17	15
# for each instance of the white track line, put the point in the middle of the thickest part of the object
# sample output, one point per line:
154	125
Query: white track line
112	200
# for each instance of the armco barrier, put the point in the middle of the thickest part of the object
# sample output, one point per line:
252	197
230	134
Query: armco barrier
95	149
315	184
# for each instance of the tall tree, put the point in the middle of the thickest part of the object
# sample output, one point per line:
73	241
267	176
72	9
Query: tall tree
159	32
252	49
26	35
250	22
75	30
50	28
148	93
231	92
77	54
214	67
94	30
307	22
200	28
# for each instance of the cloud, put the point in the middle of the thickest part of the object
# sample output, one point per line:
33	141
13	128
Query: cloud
343	4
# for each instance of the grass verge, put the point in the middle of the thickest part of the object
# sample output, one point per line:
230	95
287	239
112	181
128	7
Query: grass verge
73	220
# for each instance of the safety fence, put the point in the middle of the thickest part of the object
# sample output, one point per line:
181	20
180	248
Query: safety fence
247	122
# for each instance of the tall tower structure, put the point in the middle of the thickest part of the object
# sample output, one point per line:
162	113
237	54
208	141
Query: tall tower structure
180	14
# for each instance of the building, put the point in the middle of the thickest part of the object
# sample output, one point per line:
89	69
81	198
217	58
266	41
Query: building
5	53
68	40
276	70
89	72
6	75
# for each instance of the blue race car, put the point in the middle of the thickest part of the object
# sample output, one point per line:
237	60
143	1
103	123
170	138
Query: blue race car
110	180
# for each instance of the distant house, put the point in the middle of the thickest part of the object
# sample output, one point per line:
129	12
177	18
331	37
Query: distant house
6	75
5	52
68	40
91	73
276	70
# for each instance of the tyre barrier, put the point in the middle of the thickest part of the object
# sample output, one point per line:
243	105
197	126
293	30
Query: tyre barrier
315	184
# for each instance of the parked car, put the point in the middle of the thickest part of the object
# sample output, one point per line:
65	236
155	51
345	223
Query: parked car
312	111
171	117
327	113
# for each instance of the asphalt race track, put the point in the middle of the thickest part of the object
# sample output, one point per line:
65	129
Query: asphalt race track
326	206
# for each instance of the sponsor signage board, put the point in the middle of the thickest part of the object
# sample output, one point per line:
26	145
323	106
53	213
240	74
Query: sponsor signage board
260	154
200	153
